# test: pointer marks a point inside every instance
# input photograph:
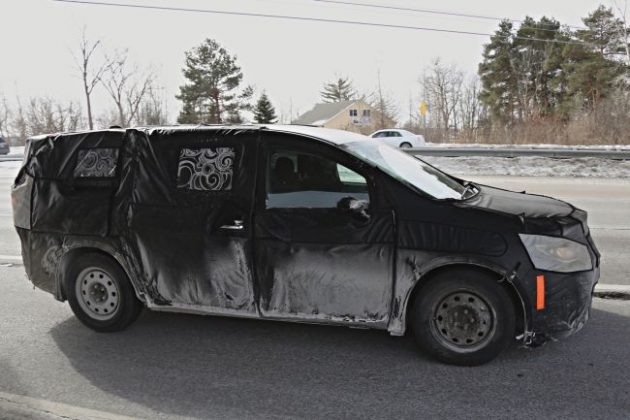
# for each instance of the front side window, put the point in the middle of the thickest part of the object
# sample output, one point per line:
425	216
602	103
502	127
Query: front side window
206	169
407	169
96	163
304	180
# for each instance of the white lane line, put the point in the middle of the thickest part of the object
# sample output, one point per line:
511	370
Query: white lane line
11	258
613	288
29	407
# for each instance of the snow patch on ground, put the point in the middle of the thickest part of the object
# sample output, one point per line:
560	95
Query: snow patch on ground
615	147
16	151
9	169
532	166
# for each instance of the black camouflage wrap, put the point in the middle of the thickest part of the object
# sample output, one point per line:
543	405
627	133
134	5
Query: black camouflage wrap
181	209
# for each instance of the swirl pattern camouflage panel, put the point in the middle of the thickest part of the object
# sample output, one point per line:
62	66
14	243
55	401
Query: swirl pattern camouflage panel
96	163
207	169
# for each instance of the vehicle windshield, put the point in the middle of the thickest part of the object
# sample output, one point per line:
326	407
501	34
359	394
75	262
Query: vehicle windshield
408	169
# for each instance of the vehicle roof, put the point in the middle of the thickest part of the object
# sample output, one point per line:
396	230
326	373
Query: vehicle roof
400	130
329	135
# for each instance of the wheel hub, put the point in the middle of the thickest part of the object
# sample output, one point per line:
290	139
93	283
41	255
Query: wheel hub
98	293
463	319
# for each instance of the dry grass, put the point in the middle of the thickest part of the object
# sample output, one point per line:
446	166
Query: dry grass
607	124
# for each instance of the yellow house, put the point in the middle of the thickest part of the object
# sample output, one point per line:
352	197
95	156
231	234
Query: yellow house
357	116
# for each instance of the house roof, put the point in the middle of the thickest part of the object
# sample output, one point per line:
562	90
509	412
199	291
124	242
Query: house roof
322	113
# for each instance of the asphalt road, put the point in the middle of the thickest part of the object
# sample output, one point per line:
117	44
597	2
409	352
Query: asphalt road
180	366
168	365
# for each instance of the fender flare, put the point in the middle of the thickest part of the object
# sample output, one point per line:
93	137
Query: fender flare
74	245
398	322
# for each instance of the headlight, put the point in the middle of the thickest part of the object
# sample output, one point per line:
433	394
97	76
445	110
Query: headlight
556	254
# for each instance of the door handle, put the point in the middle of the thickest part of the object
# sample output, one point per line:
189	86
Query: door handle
238	225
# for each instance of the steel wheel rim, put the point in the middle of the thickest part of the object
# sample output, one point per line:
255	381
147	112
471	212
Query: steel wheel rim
463	321
98	293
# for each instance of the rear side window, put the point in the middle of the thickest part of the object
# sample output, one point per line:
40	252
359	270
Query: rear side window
96	163
206	169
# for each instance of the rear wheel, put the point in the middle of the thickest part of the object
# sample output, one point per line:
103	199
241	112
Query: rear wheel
100	293
405	145
463	317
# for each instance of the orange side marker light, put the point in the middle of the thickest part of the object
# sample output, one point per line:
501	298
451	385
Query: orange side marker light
540	293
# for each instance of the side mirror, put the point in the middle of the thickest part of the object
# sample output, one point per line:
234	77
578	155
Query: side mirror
358	209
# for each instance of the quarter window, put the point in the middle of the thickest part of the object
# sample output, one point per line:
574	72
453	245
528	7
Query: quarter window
206	169
96	163
303	180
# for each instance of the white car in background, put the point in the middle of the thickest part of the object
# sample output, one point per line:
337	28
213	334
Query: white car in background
398	138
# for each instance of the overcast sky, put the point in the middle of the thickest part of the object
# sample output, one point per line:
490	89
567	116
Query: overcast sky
288	59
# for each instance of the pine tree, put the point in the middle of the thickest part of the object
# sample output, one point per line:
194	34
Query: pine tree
211	93
594	68
604	32
338	90
264	112
499	79
536	65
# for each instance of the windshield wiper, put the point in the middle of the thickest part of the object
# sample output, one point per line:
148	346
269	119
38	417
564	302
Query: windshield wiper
469	188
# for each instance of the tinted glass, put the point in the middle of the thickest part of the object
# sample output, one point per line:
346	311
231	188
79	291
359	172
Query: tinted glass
303	180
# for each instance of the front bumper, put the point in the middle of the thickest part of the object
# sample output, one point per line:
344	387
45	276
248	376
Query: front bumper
567	304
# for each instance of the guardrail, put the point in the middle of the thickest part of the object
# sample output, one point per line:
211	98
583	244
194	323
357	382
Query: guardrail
511	152
11	158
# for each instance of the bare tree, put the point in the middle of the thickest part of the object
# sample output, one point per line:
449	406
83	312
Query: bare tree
384	105
5	116
441	88
90	71
127	86
623	13
470	107
45	115
153	108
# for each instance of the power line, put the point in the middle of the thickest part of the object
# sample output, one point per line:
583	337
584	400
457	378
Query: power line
436	12
308	19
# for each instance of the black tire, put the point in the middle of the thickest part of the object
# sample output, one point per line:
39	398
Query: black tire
463	317
405	145
108	302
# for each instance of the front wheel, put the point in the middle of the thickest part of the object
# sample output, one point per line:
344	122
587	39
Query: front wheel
463	317
405	145
100	293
